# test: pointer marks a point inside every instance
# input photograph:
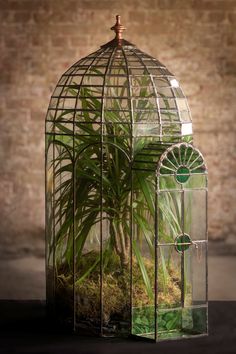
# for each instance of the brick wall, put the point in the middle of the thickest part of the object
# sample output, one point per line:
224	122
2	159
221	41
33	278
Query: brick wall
39	39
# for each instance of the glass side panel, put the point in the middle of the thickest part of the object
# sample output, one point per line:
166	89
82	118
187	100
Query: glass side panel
116	233
167	103
144	103
146	129
169	216
143	91
143	254
92	80
116	103
182	307
187	271
168	277
116	194
62	248
171	131
63	128
168	182
117	129
194	320
146	116
88	129
182	322
196	180
186	117
61	114
182	205
65	103
195	214
169	291
181	302
117	115
88	217
89	103
165	92
116	80
117	91
87	278
88	116
199	269
168	116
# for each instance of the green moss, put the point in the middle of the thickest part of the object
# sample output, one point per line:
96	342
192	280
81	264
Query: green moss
115	288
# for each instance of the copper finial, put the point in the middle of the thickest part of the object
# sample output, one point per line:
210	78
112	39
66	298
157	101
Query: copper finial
118	28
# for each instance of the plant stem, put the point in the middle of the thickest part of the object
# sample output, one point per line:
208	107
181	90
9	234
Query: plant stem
124	254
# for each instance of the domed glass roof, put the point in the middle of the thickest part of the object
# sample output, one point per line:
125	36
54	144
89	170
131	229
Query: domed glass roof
120	84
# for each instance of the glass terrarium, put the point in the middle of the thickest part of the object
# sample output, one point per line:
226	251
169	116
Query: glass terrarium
126	200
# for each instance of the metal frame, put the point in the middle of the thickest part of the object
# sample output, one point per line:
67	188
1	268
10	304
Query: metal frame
202	171
65	115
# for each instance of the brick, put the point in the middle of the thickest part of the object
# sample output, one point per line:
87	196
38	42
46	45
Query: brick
102	4
232	18
229	67
138	16
58	41
24	5
217	5
40	39
230	39
22	16
175	4
216	17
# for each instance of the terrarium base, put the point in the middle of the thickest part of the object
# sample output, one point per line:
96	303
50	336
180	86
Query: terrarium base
81	303
181	322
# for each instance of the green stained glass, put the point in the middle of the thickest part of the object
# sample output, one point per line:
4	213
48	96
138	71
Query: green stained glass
182	174
183	242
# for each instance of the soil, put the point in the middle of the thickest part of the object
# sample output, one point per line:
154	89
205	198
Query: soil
115	289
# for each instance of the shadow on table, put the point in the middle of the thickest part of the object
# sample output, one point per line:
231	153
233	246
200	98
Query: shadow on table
25	329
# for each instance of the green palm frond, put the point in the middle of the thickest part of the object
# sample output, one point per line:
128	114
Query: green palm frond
96	166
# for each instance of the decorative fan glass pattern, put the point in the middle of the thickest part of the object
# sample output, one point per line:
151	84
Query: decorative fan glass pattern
182	160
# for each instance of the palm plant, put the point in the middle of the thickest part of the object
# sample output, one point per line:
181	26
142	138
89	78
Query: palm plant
97	174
